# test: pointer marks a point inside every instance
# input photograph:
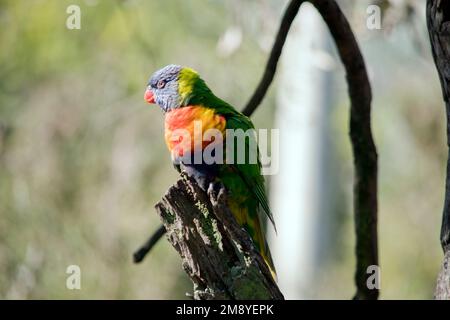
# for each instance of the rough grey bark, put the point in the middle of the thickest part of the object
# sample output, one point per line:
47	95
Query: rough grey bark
438	22
443	282
218	254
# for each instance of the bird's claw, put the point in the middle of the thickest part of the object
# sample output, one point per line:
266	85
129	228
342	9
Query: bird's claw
214	188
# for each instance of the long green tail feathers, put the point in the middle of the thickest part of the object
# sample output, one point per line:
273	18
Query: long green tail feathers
247	216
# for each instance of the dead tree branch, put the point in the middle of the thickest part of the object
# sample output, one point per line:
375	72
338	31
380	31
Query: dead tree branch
140	254
217	253
438	22
364	151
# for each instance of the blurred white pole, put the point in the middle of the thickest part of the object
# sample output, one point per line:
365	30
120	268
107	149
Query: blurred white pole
299	195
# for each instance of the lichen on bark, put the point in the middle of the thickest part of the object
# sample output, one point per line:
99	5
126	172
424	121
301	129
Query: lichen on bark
217	253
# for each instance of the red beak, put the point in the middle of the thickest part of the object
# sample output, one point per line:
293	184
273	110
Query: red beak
149	97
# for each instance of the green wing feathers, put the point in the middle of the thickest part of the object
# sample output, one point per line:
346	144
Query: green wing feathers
250	173
243	181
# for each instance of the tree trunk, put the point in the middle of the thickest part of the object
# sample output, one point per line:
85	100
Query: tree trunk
218	255
438	22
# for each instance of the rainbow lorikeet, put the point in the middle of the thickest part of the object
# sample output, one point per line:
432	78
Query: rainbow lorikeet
185	99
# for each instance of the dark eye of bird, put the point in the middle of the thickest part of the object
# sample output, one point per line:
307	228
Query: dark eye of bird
160	84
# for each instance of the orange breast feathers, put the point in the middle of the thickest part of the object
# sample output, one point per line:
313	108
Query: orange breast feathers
185	129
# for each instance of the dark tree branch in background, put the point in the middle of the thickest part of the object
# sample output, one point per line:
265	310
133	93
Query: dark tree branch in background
140	254
364	151
271	65
217	253
438	22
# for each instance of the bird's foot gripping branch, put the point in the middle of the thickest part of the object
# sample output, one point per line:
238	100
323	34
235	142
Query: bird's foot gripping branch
218	255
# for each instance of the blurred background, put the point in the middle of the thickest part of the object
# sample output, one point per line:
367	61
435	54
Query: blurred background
83	160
